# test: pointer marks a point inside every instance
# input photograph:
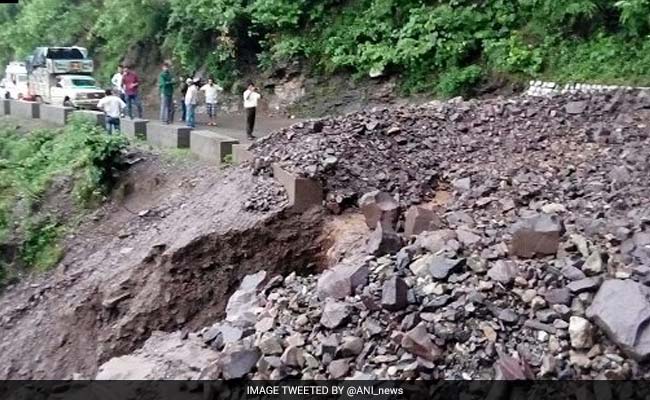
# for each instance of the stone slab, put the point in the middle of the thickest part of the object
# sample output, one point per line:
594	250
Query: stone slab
240	154
211	146
134	127
5	107
24	109
168	136
303	193
95	117
55	114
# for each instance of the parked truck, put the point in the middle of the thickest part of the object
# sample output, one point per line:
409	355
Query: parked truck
60	73
15	82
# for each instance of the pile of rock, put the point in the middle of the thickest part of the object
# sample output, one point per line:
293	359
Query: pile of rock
535	266
409	151
266	195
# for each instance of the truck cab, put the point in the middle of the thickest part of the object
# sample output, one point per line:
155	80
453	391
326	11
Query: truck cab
59	72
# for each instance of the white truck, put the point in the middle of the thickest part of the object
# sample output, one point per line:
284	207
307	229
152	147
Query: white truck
14	85
57	74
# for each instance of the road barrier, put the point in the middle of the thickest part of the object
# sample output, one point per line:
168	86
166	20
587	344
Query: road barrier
168	136
55	114
303	193
211	146
24	109
134	128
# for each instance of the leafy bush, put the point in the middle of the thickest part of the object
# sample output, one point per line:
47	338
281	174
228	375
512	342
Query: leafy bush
414	39
29	163
461	81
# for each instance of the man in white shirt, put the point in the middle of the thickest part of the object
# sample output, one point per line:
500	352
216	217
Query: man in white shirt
116	81
191	101
211	94
251	96
112	107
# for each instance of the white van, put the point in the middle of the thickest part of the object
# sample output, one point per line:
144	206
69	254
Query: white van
15	81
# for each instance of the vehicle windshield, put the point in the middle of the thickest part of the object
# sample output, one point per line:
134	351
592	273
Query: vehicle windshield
65	54
83	82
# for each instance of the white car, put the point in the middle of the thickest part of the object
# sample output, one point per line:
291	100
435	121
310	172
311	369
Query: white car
82	90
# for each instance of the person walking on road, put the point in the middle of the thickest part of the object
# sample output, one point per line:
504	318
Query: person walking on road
184	85
211	96
131	84
191	101
112	107
116	81
166	86
251	96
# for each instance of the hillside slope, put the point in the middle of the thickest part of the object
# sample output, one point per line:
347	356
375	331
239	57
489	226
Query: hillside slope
446	48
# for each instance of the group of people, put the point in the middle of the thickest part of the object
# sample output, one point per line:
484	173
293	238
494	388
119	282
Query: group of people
124	95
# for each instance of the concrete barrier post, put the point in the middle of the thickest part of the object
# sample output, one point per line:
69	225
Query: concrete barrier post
134	127
303	193
211	146
55	114
168	136
25	109
5	107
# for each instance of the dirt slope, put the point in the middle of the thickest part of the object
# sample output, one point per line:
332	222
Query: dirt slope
129	270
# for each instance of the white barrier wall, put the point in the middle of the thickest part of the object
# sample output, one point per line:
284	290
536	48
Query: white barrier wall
541	88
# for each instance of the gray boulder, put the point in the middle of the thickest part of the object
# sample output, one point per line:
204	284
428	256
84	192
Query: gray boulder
622	309
383	241
394	294
339	281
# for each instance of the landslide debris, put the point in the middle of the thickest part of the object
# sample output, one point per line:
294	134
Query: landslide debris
536	266
473	145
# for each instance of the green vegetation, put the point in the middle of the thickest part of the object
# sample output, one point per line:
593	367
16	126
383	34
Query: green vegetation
42	174
445	47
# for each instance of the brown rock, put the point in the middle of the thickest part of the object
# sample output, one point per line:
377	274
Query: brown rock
419	219
417	341
534	236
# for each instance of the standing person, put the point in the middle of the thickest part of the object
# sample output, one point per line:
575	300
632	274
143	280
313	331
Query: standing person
211	94
116	81
251	96
112	107
184	85
131	84
191	100
166	86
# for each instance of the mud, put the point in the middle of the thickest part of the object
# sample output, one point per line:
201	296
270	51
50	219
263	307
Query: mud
164	254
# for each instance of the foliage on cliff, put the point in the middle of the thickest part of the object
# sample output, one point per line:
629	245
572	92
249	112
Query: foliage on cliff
437	46
46	177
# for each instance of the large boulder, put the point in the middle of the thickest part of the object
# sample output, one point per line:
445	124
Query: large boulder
242	305
383	240
536	236
379	206
622	309
394	294
335	313
419	219
238	361
417	341
339	281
